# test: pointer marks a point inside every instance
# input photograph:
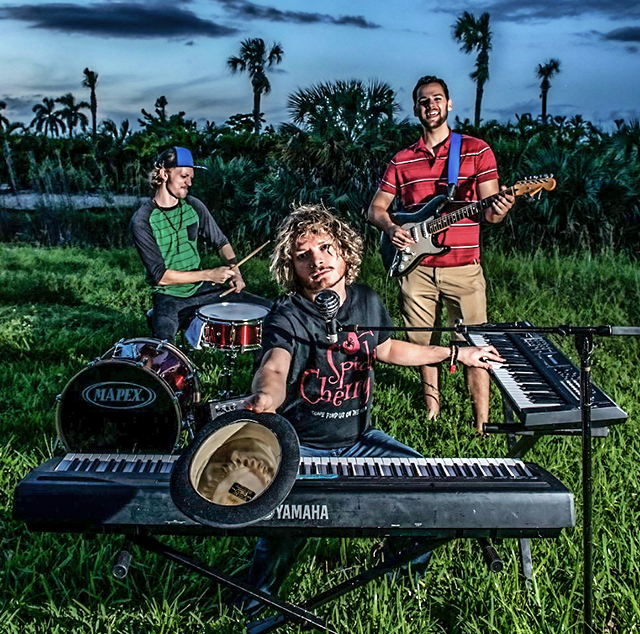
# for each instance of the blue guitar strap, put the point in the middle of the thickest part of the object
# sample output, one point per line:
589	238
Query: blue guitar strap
453	164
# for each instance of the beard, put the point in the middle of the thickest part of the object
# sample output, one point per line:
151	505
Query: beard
180	193
433	124
334	277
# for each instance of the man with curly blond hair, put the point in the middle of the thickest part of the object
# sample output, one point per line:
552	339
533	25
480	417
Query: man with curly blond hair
325	389
165	231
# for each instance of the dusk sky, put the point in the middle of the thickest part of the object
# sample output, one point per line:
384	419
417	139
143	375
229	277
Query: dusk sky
145	49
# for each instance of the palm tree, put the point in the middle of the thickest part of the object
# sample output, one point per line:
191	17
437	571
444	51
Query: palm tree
119	135
346	134
90	80
347	109
4	122
545	72
71	112
47	119
253	58
474	35
161	107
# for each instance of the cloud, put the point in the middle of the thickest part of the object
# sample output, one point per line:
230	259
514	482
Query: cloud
250	11
626	34
537	10
20	106
122	19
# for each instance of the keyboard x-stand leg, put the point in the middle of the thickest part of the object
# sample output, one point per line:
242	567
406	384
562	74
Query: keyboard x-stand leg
517	448
271	623
290	610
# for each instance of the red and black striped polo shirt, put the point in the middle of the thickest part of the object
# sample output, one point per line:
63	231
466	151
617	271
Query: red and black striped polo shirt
416	175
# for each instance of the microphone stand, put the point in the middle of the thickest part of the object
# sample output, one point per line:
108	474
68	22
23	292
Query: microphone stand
583	338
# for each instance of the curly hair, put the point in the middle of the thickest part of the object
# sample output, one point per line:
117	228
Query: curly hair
314	220
169	156
155	180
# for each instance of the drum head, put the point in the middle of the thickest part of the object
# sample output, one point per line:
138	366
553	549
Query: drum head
238	469
232	312
116	406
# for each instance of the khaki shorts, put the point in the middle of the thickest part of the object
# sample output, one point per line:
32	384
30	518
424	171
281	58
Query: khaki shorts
462	289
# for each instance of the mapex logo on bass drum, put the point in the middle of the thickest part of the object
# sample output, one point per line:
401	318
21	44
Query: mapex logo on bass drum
117	395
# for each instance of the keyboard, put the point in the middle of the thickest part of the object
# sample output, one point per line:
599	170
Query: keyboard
540	384
435	497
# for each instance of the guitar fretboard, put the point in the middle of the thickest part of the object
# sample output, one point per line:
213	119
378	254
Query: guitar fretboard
440	223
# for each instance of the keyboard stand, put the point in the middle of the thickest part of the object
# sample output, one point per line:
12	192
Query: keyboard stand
357	581
151	544
520	441
288	611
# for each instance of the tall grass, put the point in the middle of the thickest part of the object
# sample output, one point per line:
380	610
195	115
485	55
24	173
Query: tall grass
60	308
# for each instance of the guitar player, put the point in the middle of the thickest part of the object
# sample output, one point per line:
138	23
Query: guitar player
453	278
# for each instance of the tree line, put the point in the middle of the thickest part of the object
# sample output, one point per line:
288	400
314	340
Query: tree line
338	140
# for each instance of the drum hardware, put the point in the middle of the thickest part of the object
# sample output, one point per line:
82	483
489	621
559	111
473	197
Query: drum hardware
230	360
218	407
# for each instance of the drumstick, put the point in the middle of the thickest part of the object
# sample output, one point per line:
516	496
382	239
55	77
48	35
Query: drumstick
238	264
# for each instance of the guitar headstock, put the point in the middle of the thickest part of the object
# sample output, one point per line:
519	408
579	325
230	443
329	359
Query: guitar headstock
532	186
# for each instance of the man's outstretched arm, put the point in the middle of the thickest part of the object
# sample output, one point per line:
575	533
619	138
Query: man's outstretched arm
269	387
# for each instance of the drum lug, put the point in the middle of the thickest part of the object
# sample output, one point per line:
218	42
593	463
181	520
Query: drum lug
177	396
92	363
58	398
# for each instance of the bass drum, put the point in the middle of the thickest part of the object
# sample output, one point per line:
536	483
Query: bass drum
133	399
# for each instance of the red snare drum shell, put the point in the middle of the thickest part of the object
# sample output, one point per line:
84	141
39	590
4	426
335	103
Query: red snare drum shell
232	325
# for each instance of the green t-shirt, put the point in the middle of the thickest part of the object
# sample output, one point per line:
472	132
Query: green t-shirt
167	238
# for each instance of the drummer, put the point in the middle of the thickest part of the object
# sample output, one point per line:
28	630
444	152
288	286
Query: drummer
165	231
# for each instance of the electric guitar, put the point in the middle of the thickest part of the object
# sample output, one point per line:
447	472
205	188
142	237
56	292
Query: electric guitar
425	224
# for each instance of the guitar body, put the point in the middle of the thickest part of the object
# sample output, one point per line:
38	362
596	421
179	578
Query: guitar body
425	224
399	263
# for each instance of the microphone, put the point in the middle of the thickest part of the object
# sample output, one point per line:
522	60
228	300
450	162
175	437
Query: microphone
327	303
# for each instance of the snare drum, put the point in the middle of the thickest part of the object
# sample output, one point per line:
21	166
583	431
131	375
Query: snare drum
133	399
232	325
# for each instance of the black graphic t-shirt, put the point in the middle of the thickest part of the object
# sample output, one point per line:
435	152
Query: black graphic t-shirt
330	386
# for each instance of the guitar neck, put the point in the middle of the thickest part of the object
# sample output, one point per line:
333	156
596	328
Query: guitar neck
440	223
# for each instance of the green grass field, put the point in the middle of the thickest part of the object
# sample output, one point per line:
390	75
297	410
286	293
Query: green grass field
61	308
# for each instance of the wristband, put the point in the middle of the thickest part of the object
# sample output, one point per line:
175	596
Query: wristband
454	357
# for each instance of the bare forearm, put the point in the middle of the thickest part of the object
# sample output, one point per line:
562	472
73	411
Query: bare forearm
219	275
271	383
171	277
269	388
380	217
502	204
228	254
405	353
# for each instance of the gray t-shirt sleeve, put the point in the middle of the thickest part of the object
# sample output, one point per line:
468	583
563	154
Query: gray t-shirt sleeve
146	244
208	227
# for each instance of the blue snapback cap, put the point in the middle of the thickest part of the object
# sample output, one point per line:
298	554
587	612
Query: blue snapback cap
177	157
